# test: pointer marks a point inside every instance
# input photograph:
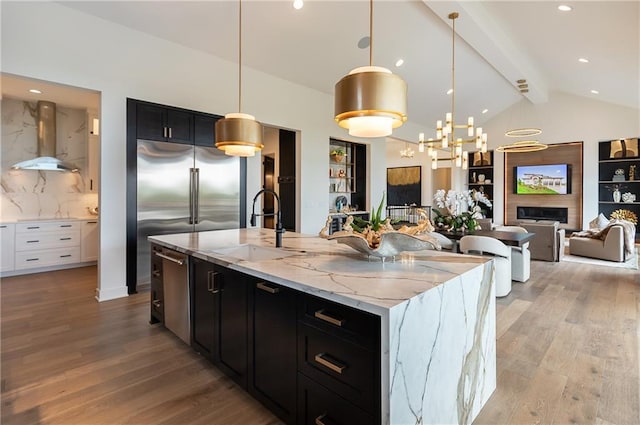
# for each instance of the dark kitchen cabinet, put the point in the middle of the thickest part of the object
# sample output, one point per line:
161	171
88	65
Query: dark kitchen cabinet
204	307
272	357
219	312
204	130
155	122
157	290
318	405
307	359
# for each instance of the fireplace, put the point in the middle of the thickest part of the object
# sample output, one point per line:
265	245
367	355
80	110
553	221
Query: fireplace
543	213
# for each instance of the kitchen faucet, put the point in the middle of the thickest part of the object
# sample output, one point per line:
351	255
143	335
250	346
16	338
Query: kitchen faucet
279	228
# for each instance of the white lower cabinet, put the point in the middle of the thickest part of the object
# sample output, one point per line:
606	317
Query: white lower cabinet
49	245
7	247
89	244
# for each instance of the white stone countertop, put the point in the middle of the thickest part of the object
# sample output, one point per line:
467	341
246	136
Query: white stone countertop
47	219
328	269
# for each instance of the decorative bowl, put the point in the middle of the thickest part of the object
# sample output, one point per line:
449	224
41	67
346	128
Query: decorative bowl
391	243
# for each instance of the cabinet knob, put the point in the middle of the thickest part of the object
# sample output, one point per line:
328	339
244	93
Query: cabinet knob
156	303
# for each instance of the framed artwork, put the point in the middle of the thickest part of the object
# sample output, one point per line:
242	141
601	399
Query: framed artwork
404	186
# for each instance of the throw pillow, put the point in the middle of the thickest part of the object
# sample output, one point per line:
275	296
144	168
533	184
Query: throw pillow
600	222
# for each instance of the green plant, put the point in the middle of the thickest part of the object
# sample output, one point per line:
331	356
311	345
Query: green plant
338	151
376	219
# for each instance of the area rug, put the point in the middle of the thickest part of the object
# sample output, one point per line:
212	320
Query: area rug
631	263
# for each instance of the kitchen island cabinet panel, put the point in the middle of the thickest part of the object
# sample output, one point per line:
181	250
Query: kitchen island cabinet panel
204	308
232	325
319	405
219	317
273	348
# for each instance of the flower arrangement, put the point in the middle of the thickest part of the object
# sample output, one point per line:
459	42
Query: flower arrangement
459	210
622	214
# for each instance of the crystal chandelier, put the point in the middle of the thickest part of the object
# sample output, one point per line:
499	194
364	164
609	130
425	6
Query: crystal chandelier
446	140
407	152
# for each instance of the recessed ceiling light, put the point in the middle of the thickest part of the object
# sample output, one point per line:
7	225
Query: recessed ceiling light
449	91
583	60
297	4
565	8
399	62
595	92
485	110
36	91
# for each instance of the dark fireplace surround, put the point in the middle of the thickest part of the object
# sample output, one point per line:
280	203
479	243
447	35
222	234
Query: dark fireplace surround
543	213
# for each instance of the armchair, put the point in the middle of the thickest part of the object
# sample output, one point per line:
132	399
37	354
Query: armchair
520	257
548	245
501	254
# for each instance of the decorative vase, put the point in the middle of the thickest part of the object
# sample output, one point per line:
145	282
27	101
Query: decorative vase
616	195
337	157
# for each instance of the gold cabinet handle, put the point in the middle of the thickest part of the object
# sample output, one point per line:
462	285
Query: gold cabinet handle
320	314
265	287
334	365
211	282
324	420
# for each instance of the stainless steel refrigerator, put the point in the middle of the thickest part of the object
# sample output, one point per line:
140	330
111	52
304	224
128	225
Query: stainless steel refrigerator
183	188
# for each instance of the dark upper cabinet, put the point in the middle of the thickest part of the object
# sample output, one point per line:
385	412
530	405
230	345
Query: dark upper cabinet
273	348
204	127
155	122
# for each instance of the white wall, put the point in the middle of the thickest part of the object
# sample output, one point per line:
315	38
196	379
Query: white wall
121	63
564	118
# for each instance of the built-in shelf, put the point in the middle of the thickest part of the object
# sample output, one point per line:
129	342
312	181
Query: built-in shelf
481	165
628	167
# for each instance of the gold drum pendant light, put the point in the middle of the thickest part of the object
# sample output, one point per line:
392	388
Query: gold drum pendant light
239	134
370	101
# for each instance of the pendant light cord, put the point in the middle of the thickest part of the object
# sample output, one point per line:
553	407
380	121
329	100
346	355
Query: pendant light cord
453	79
370	32
240	57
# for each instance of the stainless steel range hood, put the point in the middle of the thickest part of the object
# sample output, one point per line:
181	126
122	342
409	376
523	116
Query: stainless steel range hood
45	115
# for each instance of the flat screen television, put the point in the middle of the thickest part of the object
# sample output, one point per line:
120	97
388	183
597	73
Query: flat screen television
547	179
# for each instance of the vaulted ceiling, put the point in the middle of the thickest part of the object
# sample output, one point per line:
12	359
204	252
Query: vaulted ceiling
498	43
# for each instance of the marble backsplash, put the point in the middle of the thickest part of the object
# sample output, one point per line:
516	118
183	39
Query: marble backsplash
32	194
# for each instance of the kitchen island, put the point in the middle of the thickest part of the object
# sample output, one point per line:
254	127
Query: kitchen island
435	315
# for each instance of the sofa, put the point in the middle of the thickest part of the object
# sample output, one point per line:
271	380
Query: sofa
548	244
611	248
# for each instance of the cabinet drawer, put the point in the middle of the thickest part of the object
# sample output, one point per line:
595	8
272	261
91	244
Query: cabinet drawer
345	368
47	257
348	323
47	226
319	406
47	240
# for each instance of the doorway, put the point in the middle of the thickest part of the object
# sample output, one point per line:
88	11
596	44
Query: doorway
268	173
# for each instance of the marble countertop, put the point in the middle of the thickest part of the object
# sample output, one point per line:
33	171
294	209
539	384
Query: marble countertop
327	269
43	219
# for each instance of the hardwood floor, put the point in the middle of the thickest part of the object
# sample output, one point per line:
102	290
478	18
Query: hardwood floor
568	352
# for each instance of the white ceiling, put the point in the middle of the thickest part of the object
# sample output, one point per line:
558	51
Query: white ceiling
498	42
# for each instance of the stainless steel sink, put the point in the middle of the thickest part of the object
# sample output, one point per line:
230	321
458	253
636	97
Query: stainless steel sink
251	252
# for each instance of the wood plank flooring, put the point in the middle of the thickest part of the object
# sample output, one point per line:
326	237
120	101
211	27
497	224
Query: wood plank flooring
568	352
